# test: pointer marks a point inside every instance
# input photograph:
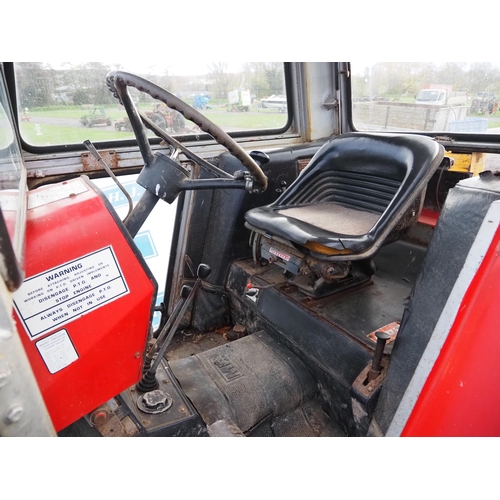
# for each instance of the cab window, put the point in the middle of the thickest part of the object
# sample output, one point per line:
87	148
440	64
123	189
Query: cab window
455	97
67	103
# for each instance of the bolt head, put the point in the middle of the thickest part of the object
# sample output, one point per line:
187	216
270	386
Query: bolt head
4	378
13	414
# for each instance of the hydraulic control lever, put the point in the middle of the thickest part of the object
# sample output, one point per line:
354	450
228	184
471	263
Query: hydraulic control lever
376	369
148	381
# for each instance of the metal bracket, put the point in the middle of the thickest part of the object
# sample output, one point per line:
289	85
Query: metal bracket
252	293
248	178
330	103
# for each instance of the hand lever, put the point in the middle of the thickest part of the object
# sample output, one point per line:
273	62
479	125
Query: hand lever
376	369
148	381
259	157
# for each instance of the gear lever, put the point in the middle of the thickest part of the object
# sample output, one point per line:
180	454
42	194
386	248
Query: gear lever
149	381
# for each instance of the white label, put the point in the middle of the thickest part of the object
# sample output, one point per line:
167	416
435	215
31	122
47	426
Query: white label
57	192
57	351
59	295
279	254
9	201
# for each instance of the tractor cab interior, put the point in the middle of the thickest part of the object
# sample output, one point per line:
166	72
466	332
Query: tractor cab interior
314	248
304	281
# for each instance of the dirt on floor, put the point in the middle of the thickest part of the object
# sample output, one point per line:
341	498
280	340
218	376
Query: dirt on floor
189	342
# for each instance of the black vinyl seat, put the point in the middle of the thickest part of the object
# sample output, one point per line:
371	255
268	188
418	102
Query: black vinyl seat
357	191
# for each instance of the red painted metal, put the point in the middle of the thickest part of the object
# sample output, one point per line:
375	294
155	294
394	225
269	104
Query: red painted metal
460	396
428	217
110	339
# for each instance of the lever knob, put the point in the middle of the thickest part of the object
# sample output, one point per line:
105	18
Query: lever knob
259	157
203	271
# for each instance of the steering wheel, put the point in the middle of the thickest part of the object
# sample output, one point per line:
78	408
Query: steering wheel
163	176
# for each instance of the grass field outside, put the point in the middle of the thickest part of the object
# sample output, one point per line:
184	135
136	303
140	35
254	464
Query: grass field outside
43	127
61	125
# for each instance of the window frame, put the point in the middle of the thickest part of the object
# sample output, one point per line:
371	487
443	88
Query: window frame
12	250
254	135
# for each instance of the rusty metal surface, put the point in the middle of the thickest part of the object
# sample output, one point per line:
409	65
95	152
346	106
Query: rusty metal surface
302	164
329	271
90	163
60	167
114	427
357	311
368	387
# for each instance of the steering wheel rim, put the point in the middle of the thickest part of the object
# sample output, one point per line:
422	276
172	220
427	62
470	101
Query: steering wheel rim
118	81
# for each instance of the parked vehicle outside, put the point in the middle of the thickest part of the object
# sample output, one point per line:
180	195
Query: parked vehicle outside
97	116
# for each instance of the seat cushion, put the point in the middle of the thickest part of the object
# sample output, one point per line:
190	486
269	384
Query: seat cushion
334	217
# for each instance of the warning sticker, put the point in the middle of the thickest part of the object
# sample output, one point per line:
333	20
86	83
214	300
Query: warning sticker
61	294
57	351
392	329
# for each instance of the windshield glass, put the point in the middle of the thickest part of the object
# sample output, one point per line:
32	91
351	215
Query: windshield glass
67	103
426	96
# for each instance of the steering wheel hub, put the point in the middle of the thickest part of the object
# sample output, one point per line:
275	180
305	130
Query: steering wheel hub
176	176
164	178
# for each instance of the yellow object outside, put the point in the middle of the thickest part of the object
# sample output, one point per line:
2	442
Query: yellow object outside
468	162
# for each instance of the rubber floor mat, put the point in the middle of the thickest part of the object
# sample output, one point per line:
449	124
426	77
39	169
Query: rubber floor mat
247	382
307	420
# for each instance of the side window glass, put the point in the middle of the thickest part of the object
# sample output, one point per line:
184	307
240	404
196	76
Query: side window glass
426	96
